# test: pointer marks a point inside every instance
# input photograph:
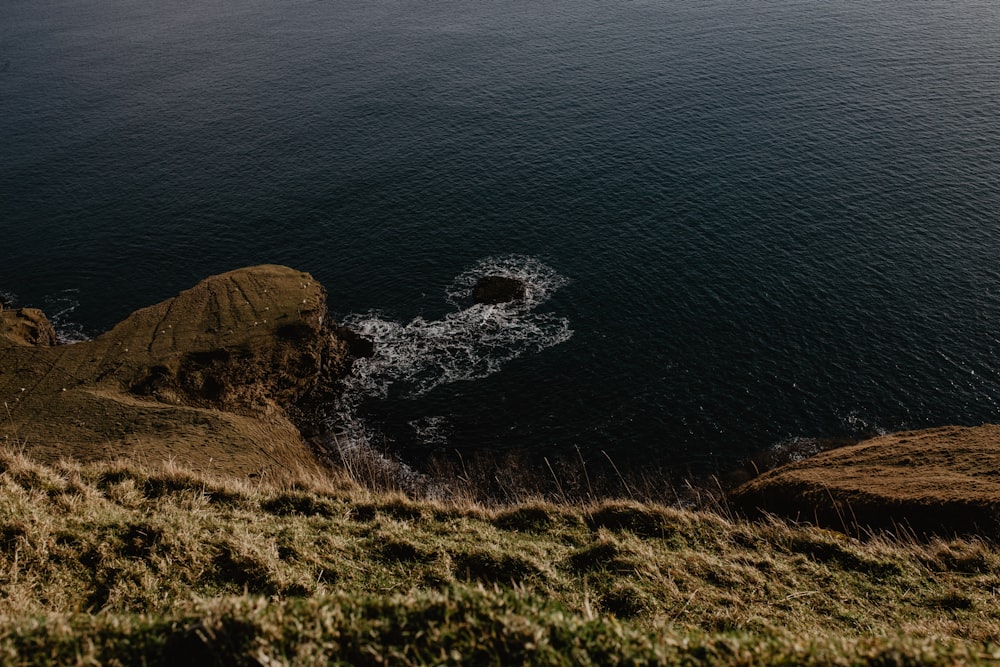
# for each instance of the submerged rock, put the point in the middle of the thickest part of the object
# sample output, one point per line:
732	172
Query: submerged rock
498	289
212	377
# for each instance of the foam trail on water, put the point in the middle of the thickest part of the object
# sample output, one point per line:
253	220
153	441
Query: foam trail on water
473	341
431	430
859	425
59	308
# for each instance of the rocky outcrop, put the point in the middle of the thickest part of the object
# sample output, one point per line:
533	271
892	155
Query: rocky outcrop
25	326
497	289
935	481
212	377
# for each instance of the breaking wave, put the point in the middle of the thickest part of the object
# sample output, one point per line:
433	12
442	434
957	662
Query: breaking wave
860	426
59	308
473	341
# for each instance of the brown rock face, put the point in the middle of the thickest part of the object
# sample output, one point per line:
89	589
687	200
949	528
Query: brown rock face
209	377
25	326
936	481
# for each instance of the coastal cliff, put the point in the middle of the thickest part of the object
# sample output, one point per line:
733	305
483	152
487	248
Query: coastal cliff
211	378
174	555
933	481
219	378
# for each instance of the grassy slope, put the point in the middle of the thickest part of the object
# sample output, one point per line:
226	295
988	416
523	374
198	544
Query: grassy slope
115	562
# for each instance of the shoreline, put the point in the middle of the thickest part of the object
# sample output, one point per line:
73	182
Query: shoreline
234	374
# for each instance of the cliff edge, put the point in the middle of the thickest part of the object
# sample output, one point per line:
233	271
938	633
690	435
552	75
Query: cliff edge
210	378
934	481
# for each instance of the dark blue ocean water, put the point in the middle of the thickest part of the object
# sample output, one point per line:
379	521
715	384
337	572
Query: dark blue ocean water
745	221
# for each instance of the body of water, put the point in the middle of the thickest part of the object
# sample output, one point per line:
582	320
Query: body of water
741	222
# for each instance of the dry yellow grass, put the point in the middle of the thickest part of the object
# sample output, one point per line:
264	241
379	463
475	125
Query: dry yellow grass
116	559
936	480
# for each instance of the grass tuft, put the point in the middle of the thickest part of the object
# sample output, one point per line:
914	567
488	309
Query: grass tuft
640	519
298	502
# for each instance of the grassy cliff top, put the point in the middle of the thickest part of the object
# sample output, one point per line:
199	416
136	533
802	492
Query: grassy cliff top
206	377
935	480
119	563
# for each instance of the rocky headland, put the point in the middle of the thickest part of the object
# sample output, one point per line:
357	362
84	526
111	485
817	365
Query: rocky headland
213	378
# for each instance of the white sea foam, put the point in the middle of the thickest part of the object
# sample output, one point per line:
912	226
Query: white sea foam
433	431
471	342
58	308
793	449
859	424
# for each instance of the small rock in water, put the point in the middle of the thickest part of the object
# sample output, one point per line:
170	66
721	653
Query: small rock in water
497	289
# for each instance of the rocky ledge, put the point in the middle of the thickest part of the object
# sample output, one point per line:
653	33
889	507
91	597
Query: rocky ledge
935	481
213	378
